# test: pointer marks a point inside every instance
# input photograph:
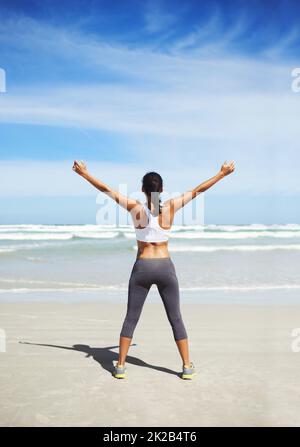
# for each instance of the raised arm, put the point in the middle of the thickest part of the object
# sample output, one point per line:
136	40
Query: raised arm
122	200
183	199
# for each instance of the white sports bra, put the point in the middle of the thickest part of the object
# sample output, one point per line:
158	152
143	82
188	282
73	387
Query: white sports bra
153	232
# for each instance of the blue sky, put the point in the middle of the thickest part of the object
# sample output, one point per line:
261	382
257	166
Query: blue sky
176	87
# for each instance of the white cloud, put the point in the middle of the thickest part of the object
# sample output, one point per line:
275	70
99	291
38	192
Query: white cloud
133	111
25	178
178	110
56	178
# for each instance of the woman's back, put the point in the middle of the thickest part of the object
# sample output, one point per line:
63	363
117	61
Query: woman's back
152	231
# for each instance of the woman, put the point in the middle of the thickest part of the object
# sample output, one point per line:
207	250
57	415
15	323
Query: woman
153	265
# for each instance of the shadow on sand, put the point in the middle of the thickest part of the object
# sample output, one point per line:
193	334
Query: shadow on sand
105	357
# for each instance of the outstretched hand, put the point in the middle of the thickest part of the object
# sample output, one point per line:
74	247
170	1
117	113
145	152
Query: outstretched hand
227	168
79	167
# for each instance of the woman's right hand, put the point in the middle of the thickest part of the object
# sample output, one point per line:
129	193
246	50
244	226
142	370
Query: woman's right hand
227	168
79	167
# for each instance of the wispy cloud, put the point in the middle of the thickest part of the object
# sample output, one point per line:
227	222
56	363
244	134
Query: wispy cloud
167	95
157	17
199	34
196	106
278	49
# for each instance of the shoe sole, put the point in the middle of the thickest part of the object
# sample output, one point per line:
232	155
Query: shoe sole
188	376
119	376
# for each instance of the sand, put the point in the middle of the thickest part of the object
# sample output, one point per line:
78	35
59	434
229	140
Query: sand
56	370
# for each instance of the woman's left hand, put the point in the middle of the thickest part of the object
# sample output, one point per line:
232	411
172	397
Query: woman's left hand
79	167
227	168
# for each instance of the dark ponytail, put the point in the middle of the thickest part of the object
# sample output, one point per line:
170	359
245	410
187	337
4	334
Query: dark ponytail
153	183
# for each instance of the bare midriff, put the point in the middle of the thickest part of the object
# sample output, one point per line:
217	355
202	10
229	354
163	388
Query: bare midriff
152	250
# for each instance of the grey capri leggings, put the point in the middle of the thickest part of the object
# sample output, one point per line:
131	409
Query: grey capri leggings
145	272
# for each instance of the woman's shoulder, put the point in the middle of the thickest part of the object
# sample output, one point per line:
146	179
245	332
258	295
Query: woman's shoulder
139	206
167	204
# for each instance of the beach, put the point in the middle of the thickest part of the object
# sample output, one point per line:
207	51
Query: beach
191	110
63	298
56	370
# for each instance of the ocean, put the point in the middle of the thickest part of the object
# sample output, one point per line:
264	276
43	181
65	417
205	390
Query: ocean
40	261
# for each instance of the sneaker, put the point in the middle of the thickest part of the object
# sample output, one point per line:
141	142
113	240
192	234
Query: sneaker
188	373
119	371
